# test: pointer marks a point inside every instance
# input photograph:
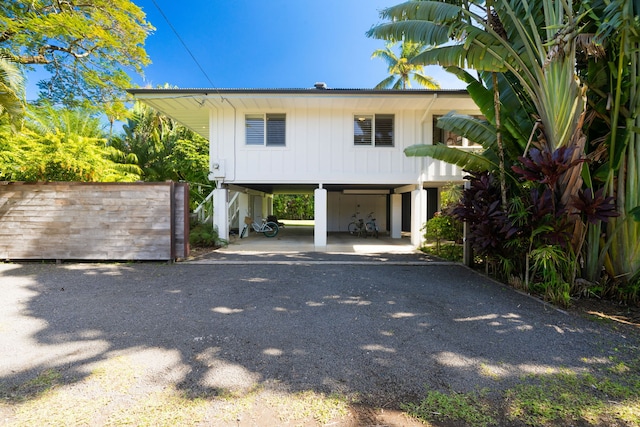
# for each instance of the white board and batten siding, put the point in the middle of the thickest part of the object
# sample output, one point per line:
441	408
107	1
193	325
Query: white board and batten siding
93	221
320	149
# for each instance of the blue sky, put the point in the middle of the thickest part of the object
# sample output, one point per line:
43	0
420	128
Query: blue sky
268	44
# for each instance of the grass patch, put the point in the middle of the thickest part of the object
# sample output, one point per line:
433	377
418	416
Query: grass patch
470	408
610	397
568	398
308	404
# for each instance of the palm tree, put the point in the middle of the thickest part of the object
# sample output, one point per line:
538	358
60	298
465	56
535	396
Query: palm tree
11	89
402	69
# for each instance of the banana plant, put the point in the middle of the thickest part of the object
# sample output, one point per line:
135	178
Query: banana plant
615	93
535	43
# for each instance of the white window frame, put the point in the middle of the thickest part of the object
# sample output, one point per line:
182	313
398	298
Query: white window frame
373	139
251	140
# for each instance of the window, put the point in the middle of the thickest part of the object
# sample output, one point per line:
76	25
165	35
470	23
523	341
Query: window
266	129
373	129
449	138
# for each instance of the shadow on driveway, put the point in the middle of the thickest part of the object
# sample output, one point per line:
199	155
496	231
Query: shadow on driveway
381	333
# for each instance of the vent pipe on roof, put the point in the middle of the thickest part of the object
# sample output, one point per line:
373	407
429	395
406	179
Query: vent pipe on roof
320	85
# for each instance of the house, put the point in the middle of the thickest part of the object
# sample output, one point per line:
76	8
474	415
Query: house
345	146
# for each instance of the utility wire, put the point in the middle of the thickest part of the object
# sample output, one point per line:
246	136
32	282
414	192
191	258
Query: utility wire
183	43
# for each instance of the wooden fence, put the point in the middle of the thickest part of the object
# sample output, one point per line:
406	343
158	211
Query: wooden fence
94	221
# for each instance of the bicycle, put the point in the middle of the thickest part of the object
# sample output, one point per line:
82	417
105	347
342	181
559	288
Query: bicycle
357	226
268	228
371	226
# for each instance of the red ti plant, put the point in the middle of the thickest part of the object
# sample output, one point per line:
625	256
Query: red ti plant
594	207
480	206
548	168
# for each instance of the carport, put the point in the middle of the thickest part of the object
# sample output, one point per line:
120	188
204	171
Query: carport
398	210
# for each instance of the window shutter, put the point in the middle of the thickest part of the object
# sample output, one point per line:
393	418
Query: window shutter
384	130
254	129
276	130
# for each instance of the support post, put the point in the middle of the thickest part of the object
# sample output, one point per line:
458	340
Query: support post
396	216
221	212
320	218
418	216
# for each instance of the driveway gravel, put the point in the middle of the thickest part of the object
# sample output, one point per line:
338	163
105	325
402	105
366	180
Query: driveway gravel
378	332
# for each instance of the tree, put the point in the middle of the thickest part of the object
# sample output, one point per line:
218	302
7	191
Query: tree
614	95
532	42
11	90
166	150
58	144
525	53
87	47
401	69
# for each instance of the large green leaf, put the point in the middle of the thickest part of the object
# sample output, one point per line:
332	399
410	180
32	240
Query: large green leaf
467	160
473	56
474	129
422	31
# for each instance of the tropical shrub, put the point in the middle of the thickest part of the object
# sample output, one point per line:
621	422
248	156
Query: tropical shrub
204	235
442	227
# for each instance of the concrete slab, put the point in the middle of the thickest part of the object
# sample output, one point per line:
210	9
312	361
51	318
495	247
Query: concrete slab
296	239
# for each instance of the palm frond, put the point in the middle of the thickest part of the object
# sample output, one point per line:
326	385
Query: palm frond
386	83
427	32
467	160
422	10
474	129
426	81
464	57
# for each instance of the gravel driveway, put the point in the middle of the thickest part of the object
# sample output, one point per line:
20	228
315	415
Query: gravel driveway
379	333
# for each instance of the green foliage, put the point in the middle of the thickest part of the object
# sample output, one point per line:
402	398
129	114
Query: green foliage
449	251
58	156
298	206
532	60
165	150
450	195
11	90
87	47
442	227
552	267
204	235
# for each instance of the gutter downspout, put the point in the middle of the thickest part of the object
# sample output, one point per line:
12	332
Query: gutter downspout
422	136
235	134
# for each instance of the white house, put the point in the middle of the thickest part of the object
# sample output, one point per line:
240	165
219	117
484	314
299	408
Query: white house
345	146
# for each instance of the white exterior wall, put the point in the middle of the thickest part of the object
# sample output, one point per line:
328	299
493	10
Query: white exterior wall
341	207
320	149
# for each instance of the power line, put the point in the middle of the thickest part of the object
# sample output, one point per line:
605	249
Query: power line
183	43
